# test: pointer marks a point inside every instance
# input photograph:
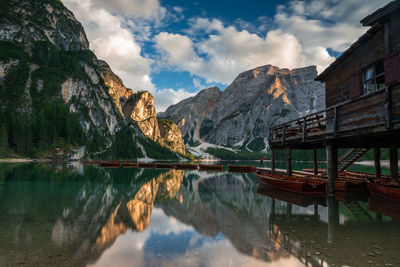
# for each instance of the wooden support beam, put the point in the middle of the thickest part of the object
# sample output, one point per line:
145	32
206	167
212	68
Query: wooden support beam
387	38
315	162
332	163
289	161
377	160
273	160
388	106
394	163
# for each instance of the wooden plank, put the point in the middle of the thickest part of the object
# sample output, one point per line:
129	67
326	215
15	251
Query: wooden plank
389	107
315	161
387	38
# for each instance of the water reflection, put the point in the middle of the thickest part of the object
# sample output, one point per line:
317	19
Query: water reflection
51	215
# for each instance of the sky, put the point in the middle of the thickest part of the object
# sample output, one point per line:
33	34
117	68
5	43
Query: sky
174	48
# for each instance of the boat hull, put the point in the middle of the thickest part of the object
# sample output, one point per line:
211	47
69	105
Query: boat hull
165	166
204	167
186	167
147	165
110	164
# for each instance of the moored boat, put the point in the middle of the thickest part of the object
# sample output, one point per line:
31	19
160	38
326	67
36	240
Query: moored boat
293	184
210	167
110	164
89	162
384	189
241	168
146	165
186	167
129	164
165	166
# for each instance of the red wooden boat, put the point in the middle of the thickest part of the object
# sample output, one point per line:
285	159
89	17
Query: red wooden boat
293	184
385	189
165	166
129	164
209	167
89	162
186	167
241	168
147	165
110	164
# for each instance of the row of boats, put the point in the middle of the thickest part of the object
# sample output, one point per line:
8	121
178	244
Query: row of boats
151	165
306	183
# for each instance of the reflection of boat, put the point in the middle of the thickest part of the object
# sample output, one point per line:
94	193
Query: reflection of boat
351	196
129	164
385	189
241	168
293	198
186	167
110	164
146	165
165	166
385	207
293	184
209	167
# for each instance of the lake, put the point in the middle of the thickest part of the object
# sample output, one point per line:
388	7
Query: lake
87	216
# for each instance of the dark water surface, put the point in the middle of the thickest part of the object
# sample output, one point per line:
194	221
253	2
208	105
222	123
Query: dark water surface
87	216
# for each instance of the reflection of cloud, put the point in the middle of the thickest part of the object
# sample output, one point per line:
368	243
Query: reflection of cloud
129	248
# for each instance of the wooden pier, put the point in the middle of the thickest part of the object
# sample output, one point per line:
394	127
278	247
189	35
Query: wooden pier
362	104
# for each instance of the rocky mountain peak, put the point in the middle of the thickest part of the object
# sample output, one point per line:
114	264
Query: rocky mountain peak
242	114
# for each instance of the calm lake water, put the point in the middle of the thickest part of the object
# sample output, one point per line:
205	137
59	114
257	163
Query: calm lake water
86	216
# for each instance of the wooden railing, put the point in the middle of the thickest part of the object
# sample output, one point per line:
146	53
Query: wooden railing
366	111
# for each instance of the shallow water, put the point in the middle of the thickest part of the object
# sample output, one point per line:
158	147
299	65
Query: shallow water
87	216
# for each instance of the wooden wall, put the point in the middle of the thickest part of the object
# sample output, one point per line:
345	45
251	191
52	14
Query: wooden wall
338	81
395	31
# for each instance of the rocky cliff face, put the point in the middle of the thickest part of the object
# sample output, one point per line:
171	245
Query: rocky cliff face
140	109
44	39
243	113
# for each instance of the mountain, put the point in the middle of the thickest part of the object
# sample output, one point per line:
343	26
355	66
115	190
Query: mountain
56	94
242	114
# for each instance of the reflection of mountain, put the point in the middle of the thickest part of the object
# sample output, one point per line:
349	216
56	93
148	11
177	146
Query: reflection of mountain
80	215
227	204
135	213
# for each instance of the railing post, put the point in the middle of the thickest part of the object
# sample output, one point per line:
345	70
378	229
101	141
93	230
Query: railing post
388	107
284	135
304	129
272	160
335	121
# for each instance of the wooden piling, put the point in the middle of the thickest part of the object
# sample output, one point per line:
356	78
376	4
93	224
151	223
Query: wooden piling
315	162
332	163
394	165
273	160
289	161
377	160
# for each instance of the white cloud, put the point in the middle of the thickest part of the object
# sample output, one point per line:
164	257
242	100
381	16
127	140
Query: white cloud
148	9
227	53
304	31
113	42
165	97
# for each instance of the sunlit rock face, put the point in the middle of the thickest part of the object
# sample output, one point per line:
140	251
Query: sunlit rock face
140	109
243	113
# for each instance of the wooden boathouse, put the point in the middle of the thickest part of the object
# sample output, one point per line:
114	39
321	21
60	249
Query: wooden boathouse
362	103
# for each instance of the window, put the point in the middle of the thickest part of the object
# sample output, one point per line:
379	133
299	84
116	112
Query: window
373	77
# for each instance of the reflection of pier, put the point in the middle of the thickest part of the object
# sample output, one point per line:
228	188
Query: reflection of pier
318	243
